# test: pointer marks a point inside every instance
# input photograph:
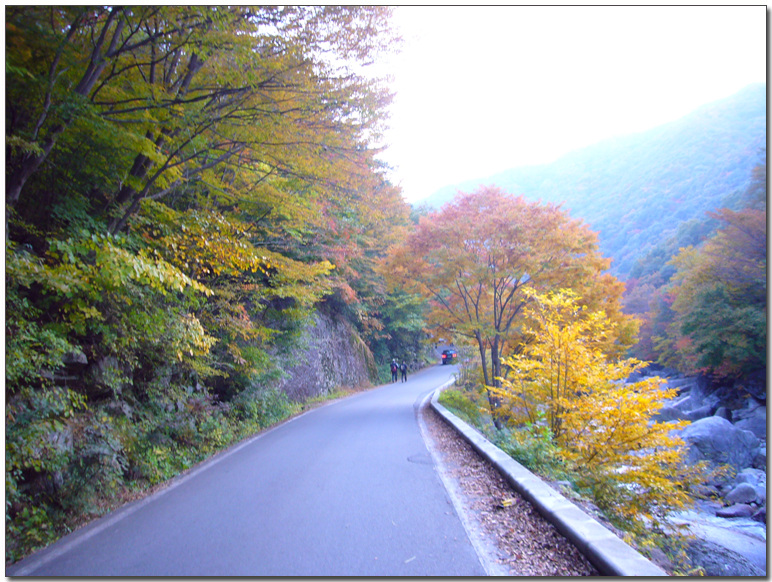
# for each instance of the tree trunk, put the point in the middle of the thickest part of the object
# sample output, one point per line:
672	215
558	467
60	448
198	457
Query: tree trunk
30	163
27	166
142	164
483	359
495	401
495	362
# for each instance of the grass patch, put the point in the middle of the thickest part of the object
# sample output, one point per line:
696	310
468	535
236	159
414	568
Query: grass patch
531	446
463	404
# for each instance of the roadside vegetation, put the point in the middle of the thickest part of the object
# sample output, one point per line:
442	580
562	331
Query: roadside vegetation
532	445
523	286
186	187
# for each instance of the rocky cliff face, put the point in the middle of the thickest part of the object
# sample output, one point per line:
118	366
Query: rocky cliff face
329	355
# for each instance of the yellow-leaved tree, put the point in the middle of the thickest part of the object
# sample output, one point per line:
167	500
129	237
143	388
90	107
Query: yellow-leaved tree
603	427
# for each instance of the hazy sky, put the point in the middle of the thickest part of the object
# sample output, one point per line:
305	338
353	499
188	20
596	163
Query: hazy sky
484	89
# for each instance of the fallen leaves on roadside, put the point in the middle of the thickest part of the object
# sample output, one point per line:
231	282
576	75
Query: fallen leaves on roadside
528	544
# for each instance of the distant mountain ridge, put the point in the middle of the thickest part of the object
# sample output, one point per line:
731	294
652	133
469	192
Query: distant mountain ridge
635	190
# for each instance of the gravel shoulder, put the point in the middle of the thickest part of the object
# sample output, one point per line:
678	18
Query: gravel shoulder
510	536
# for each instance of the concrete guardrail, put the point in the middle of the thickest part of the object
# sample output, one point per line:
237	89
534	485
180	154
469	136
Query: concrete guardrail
609	554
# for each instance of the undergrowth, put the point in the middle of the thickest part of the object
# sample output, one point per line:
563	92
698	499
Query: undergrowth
532	446
144	454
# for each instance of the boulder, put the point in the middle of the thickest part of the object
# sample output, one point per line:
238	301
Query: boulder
682	383
707	491
761	515
107	376
760	460
753	419
684	403
668	413
756	385
755	478
718	441
736	510
654	369
752	476
742	493
724	412
701	412
75	357
694	398
747	406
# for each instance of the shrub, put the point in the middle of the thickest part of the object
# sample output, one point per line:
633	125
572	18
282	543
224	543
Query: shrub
602	426
533	447
263	407
464	404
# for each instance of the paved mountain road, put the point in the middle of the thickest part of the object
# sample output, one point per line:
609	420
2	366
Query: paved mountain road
346	489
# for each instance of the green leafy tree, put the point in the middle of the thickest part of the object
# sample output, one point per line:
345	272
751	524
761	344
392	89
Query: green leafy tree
720	300
185	186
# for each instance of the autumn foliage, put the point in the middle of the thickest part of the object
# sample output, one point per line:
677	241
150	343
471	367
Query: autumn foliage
701	294
719	302
604	428
475	258
185	186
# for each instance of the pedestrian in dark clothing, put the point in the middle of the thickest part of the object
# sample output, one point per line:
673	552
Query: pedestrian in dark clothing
394	369
403	367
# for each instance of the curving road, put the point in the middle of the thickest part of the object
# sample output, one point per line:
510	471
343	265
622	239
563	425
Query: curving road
348	489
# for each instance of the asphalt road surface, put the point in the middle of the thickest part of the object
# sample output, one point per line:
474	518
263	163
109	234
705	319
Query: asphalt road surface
347	489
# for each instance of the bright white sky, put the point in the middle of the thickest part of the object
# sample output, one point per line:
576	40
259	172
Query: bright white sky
480	90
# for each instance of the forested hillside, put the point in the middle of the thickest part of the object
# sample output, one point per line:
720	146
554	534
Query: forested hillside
701	293
187	188
636	190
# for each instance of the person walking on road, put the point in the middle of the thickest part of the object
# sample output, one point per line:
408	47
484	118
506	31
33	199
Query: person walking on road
403	368
394	369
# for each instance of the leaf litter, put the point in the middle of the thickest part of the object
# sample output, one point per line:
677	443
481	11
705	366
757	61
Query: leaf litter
526	544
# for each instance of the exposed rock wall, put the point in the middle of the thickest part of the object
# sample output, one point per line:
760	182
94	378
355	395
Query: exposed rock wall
329	355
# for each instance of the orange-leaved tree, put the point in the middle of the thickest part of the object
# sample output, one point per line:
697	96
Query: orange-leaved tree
474	257
604	427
